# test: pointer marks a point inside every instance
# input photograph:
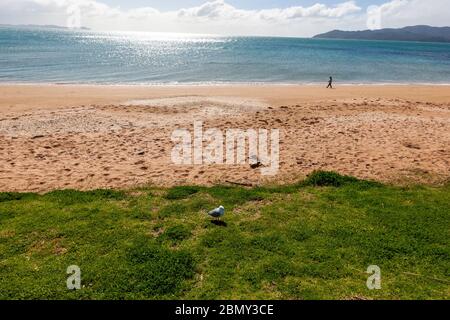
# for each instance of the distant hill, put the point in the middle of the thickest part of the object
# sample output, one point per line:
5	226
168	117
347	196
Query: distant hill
49	26
414	33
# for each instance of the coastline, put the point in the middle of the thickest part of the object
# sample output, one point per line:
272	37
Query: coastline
224	84
54	95
89	137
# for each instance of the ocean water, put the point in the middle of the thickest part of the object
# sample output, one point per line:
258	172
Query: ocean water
39	55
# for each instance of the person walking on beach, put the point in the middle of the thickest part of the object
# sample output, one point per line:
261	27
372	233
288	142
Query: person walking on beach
330	83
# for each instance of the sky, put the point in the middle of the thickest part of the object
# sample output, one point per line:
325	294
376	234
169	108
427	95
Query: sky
298	18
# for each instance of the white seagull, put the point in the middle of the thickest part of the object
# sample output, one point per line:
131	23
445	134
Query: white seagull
217	213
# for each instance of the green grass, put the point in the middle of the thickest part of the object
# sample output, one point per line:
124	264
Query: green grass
311	240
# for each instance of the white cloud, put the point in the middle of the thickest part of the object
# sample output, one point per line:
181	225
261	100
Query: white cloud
89	8
221	9
217	9
218	16
394	6
400	13
321	10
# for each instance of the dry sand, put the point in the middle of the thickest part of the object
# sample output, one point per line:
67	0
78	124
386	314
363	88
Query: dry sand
86	137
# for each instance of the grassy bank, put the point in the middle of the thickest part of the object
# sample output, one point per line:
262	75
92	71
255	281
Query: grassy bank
312	240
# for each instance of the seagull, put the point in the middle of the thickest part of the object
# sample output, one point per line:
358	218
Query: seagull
217	213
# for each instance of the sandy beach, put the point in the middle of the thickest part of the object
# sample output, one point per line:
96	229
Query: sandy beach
88	137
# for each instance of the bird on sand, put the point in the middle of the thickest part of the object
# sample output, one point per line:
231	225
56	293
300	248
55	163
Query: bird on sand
217	213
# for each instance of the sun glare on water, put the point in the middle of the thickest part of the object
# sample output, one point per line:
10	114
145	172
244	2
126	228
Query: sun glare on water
131	36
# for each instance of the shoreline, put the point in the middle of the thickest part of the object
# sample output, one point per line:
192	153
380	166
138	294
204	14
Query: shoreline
229	84
15	97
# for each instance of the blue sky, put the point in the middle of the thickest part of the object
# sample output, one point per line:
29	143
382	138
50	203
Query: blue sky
298	18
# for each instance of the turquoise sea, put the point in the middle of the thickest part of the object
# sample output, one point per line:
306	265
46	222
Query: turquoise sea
50	55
